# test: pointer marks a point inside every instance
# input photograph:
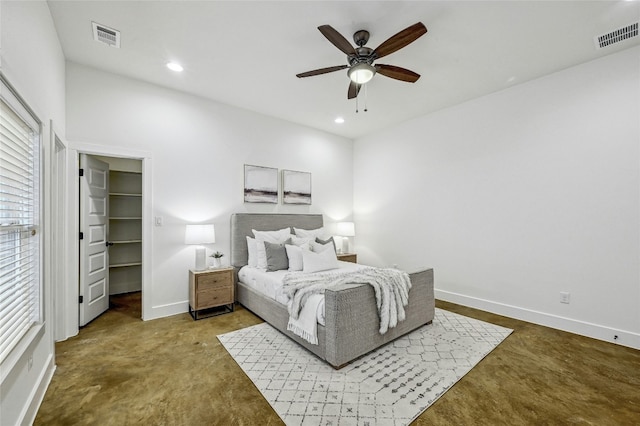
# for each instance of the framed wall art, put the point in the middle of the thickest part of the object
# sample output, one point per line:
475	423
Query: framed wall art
260	184
296	187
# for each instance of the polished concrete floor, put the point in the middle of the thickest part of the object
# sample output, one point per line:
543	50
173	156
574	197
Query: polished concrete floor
173	371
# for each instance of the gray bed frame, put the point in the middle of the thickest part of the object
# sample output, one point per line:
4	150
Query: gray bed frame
351	317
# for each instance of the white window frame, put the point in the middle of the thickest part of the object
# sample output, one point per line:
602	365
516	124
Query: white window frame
12	353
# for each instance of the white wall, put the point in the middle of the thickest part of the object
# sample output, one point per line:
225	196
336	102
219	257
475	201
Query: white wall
198	148
516	197
31	59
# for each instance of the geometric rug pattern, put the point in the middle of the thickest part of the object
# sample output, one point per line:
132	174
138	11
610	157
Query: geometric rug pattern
390	386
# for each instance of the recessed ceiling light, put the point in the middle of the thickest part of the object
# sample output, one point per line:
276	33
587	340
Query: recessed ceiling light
339	120
174	66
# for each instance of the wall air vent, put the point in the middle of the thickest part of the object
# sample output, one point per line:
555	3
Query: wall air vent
621	34
106	35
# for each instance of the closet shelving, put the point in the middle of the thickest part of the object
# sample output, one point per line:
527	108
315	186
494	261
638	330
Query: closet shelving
125	231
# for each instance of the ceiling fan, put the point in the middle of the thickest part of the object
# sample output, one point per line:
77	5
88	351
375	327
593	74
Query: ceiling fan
360	59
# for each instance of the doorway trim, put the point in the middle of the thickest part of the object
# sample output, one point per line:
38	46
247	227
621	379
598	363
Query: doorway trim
73	225
58	269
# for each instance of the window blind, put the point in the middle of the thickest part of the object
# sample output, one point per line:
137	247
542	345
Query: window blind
19	223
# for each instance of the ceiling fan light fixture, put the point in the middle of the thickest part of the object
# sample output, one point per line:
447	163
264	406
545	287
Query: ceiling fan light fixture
361	73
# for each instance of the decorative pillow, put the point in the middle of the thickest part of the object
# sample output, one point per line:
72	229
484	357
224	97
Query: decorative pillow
272	236
316	262
327	241
276	256
294	253
310	233
252	250
261	253
320	248
299	241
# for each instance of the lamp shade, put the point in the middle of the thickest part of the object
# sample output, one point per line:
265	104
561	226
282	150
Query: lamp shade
200	234
346	229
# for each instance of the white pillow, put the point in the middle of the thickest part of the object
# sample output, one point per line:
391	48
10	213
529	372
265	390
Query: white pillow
320	248
261	255
294	253
252	250
310	233
316	262
276	237
299	241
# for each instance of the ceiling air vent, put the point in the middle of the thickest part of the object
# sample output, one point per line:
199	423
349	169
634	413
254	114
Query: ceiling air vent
106	35
621	34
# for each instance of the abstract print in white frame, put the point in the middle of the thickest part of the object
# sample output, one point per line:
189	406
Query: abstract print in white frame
296	187
260	184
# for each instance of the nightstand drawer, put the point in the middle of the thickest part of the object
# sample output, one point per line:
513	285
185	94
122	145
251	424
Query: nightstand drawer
348	257
212	281
214	297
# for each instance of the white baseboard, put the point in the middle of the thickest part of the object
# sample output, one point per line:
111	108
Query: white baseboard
595	331
166	310
37	394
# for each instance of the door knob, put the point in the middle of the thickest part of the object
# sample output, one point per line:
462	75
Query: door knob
109	243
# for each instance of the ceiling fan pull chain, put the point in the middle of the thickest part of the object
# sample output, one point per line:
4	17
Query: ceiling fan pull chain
357	96
365	97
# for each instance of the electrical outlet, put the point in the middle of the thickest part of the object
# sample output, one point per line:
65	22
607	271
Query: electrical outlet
565	297
158	220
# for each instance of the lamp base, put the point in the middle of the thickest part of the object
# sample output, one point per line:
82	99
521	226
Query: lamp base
201	259
345	245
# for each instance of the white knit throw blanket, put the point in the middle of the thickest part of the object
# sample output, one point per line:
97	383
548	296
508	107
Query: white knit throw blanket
391	287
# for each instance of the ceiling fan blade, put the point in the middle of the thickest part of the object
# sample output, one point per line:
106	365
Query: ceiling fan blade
337	39
354	89
400	40
321	71
397	73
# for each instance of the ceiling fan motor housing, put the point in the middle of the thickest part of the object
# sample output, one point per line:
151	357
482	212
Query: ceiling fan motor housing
363	55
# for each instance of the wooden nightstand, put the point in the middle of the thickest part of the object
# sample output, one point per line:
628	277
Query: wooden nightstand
348	257
211	290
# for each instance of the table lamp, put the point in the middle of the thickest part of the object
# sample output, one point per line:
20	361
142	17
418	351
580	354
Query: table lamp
346	230
199	235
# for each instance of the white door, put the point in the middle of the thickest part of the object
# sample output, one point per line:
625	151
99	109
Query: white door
94	220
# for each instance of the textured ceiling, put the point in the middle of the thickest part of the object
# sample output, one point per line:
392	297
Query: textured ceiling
247	54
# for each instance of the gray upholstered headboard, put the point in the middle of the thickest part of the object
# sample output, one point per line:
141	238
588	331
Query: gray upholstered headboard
243	223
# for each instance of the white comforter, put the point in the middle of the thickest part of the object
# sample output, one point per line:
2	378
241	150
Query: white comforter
270	283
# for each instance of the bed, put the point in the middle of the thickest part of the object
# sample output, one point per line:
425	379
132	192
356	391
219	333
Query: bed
351	327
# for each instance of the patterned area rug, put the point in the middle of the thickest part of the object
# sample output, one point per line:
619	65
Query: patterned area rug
390	386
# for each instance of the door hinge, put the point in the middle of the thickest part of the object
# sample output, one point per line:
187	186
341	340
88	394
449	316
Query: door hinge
82	235
81	172
81	299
